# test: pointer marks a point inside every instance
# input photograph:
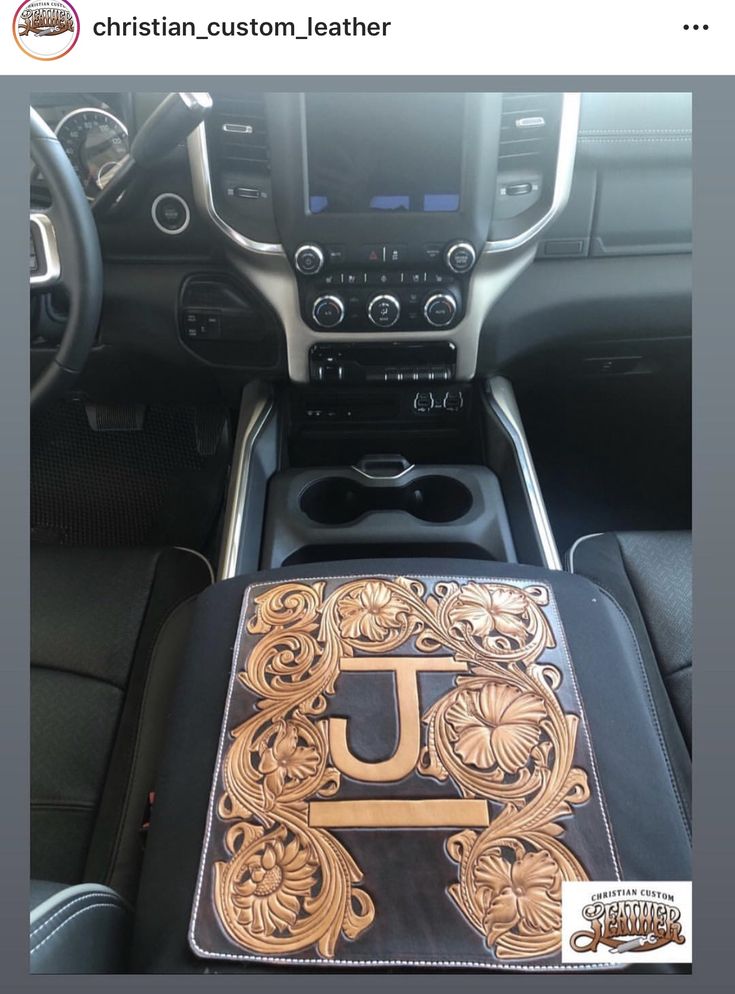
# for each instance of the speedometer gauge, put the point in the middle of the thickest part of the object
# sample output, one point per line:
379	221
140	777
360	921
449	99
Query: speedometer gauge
95	142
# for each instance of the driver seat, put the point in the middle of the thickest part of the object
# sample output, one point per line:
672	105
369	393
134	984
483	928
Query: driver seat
108	627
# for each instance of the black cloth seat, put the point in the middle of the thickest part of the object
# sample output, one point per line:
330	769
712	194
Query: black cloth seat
107	629
650	575
643	764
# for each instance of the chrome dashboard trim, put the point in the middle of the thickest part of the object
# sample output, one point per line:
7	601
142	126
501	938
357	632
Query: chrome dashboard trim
202	182
379	476
578	542
90	110
249	430
500	396
47	233
170	231
566	153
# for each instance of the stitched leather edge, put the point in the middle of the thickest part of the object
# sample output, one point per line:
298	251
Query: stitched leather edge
336	962
65	907
90	907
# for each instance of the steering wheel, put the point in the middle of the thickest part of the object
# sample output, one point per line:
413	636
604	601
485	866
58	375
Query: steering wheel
66	247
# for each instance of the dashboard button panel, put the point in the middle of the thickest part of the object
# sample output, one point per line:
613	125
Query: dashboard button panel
384	286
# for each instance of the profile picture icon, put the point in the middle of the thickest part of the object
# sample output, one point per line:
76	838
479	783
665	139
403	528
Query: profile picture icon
46	29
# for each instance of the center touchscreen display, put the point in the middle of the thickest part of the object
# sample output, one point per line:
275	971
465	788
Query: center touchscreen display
390	152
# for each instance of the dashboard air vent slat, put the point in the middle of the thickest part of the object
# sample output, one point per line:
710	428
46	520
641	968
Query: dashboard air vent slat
238	132
528	127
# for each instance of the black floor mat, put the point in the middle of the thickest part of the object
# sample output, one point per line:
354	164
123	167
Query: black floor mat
611	457
154	486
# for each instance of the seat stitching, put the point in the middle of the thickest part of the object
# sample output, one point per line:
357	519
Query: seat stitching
65	907
683	809
100	904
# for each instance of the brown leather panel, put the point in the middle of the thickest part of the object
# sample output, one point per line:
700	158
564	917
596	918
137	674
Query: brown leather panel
405	777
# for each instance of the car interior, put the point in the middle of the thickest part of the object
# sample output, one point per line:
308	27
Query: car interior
336	396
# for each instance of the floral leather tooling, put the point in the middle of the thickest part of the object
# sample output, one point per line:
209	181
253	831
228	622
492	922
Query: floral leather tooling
405	777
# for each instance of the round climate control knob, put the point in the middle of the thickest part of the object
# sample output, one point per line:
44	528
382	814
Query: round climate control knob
384	310
308	259
440	309
460	257
328	311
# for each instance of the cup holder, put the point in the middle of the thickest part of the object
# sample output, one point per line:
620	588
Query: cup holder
337	500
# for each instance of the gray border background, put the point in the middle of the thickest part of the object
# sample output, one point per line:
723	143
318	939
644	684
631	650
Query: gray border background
714	500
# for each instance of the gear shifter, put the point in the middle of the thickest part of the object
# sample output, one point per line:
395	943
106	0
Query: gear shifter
170	123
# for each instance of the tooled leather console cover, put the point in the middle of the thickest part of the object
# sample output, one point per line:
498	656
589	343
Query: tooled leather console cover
404	778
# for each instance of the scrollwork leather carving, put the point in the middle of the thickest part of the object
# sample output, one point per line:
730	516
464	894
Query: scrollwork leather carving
498	735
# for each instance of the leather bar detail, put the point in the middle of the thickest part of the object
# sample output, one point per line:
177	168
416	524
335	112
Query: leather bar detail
405	777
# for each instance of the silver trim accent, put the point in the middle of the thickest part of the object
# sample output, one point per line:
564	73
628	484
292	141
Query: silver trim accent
89	110
47	233
374	300
202	182
380	476
530	122
247	435
582	538
170	231
308	247
501	398
440	296
237	129
193	552
468	247
567	150
335	300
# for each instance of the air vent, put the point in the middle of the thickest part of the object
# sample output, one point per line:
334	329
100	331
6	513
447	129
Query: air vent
529	129
527	158
238	132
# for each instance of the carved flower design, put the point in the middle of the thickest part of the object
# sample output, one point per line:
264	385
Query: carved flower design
489	610
371	612
284	759
269	896
497	725
525	894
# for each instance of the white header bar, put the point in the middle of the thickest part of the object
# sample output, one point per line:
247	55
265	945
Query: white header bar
394	37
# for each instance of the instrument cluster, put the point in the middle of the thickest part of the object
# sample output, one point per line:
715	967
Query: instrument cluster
93	133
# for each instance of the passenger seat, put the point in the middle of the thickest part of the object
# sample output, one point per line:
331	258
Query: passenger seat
650	575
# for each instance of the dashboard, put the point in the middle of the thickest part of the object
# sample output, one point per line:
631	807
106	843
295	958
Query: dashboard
360	237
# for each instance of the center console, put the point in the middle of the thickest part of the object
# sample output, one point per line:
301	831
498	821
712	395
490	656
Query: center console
381	227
